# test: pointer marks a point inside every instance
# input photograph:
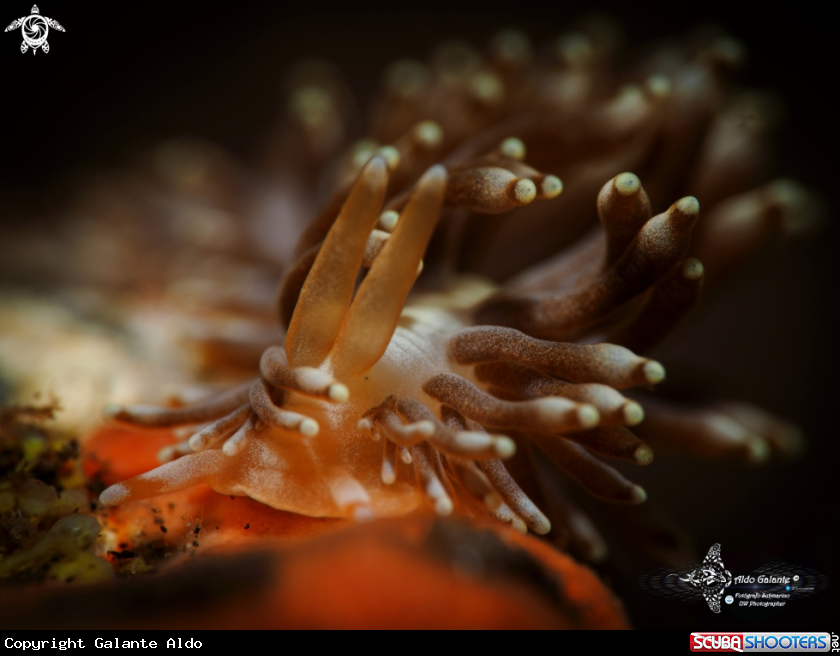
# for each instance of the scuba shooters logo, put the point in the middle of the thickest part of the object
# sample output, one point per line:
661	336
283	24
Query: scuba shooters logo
761	642
759	595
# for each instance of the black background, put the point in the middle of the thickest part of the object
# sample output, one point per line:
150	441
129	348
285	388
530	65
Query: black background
125	75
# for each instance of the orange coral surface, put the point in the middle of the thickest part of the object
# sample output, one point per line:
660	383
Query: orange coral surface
227	562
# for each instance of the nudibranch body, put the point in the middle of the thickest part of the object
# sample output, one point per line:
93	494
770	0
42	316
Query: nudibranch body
471	398
374	406
314	456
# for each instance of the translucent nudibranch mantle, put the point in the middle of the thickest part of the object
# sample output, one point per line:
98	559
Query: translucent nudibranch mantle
462	399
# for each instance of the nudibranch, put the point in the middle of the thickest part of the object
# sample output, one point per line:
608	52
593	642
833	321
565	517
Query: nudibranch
470	399
375	407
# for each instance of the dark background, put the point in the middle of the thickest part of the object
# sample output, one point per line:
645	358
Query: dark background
126	75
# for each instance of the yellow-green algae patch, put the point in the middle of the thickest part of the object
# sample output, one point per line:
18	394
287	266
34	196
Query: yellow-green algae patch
45	534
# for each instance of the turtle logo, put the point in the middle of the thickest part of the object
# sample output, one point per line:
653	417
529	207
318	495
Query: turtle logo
35	29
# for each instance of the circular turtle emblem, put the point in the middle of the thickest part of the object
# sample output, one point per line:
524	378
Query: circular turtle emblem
35	30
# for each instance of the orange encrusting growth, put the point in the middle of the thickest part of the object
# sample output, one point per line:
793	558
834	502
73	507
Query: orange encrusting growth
333	573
